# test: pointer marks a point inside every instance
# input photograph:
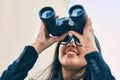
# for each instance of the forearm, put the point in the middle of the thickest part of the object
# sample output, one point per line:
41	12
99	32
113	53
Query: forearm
98	67
18	70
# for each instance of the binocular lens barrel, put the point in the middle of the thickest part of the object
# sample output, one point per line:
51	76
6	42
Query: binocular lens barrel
46	12
78	16
59	26
47	15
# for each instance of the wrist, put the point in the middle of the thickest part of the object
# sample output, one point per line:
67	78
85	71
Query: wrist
38	47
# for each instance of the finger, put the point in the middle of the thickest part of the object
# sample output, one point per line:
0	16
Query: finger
44	29
88	26
88	23
79	36
60	37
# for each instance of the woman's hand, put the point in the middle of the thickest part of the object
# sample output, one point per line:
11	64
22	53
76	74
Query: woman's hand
87	39
44	40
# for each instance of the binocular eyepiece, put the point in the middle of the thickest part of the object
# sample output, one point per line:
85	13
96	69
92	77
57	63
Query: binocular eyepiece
58	26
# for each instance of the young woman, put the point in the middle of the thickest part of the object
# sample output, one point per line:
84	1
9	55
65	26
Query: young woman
77	57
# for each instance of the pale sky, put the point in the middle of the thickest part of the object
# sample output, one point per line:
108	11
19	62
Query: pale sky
19	24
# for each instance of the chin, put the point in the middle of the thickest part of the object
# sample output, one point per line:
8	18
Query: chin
73	63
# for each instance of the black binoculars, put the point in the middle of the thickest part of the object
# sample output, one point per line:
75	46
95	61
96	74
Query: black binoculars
58	26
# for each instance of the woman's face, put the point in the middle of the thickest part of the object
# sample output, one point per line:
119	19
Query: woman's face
72	56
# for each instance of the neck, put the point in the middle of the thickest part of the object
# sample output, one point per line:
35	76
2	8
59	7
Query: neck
73	74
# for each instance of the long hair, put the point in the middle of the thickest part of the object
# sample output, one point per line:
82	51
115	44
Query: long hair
54	71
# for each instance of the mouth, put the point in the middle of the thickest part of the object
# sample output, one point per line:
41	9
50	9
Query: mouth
71	53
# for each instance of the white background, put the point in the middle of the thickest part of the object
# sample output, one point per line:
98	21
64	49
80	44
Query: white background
19	25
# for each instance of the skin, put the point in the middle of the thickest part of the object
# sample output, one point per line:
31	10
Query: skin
43	39
71	56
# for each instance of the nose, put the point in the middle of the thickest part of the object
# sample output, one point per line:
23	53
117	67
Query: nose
71	44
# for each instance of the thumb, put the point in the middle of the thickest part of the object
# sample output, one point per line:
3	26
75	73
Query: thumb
59	38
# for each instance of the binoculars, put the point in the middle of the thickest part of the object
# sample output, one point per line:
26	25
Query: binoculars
58	26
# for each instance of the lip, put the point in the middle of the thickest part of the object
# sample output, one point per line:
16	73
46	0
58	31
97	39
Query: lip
72	52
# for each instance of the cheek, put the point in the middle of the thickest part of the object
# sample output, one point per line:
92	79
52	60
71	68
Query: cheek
61	52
